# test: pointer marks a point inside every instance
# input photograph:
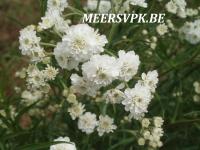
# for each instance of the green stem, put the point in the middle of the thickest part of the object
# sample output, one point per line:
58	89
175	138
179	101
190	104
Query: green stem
47	44
98	3
126	84
176	111
112	33
75	10
110	53
71	14
57	32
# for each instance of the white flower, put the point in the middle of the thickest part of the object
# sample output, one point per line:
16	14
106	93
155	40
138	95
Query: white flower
21	73
104	5
177	7
65	92
82	86
146	134
36	77
171	7
31	97
141	141
170	24
29	42
63	57
54	107
154	39
71	98
47	22
128	64
196	98
191	31
125	6
196	84
181	12
127	3
50	72
137	100
53	18
158	121
153	46
57	5
144	32
101	69
157	132
113	96
87	122
191	12
145	123
76	110
105	125
162	29
154	132
82	42
140	3
61	25
150	80
66	145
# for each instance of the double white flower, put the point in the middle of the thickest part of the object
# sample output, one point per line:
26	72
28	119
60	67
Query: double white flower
191	31
79	44
137	99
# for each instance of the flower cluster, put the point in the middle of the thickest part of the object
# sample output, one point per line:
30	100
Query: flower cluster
151	132
31	97
81	49
87	122
53	16
140	3
191	31
87	73
102	70
196	97
124	6
37	82
191	12
104	6
30	43
78	45
137	99
177	7
38	79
